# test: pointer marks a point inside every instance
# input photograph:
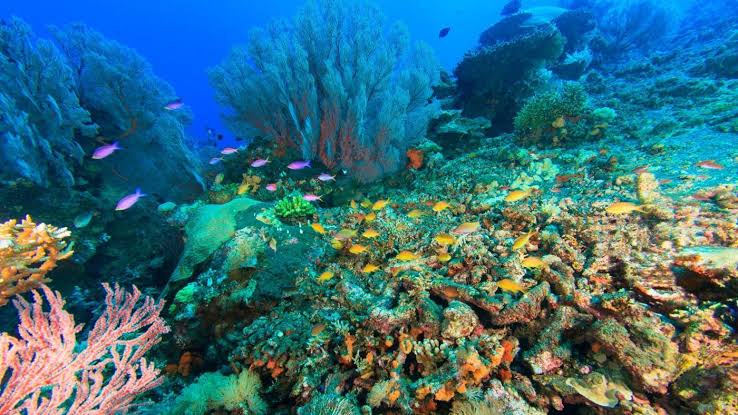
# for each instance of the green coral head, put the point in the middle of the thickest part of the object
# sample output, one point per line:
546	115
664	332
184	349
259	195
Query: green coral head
294	206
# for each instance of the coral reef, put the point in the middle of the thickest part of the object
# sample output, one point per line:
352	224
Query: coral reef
28	251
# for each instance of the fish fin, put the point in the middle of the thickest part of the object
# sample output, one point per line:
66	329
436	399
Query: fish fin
139	193
308	163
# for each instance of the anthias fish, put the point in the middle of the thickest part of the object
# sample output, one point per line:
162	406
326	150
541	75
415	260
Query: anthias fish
299	165
106	150
174	105
325	177
311	197
260	162
228	150
129	200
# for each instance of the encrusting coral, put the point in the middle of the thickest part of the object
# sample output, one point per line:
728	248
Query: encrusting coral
28	251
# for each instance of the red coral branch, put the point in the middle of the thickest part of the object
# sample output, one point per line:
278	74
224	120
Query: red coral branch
43	375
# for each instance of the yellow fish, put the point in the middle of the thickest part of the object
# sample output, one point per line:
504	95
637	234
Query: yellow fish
369	268
219	178
415	213
445	239
439	206
466	228
344	234
357	249
370	217
522	240
273	244
510	286
370	234
242	188
380	204
406	256
444	257
619	208
336	244
516	195
326	276
318	228
558	123
532	262
353	204
366	203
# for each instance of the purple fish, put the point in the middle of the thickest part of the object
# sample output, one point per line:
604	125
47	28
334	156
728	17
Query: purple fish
444	32
272	187
260	162
228	150
325	177
104	151
174	105
298	165
129	200
215	160
311	197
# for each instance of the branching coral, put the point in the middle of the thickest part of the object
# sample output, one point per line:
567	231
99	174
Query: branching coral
28	251
332	85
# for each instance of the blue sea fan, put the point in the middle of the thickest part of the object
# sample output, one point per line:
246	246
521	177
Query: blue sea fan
332	84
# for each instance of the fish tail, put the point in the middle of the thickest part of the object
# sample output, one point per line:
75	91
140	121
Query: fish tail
308	163
139	193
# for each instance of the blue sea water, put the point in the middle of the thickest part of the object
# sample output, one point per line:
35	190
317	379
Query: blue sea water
182	39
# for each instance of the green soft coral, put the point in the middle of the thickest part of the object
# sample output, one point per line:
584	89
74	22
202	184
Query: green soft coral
213	391
294	206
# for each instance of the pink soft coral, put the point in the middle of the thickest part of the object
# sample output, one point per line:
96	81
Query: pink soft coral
41	374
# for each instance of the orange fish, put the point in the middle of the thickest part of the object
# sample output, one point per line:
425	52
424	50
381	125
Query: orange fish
522	240
369	268
445	239
619	208
466	228
370	234
345	234
317	329
710	165
641	169
563	178
415	213
380	204
357	249
318	228
517	195
406	256
532	262
370	217
510	286
440	206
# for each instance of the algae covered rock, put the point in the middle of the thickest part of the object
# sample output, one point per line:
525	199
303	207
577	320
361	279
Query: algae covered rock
459	320
207	229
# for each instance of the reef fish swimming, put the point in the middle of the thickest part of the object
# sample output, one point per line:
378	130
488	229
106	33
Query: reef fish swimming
260	162
174	105
104	151
272	187
129	200
444	32
82	220
311	197
228	150
325	177
619	208
299	165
